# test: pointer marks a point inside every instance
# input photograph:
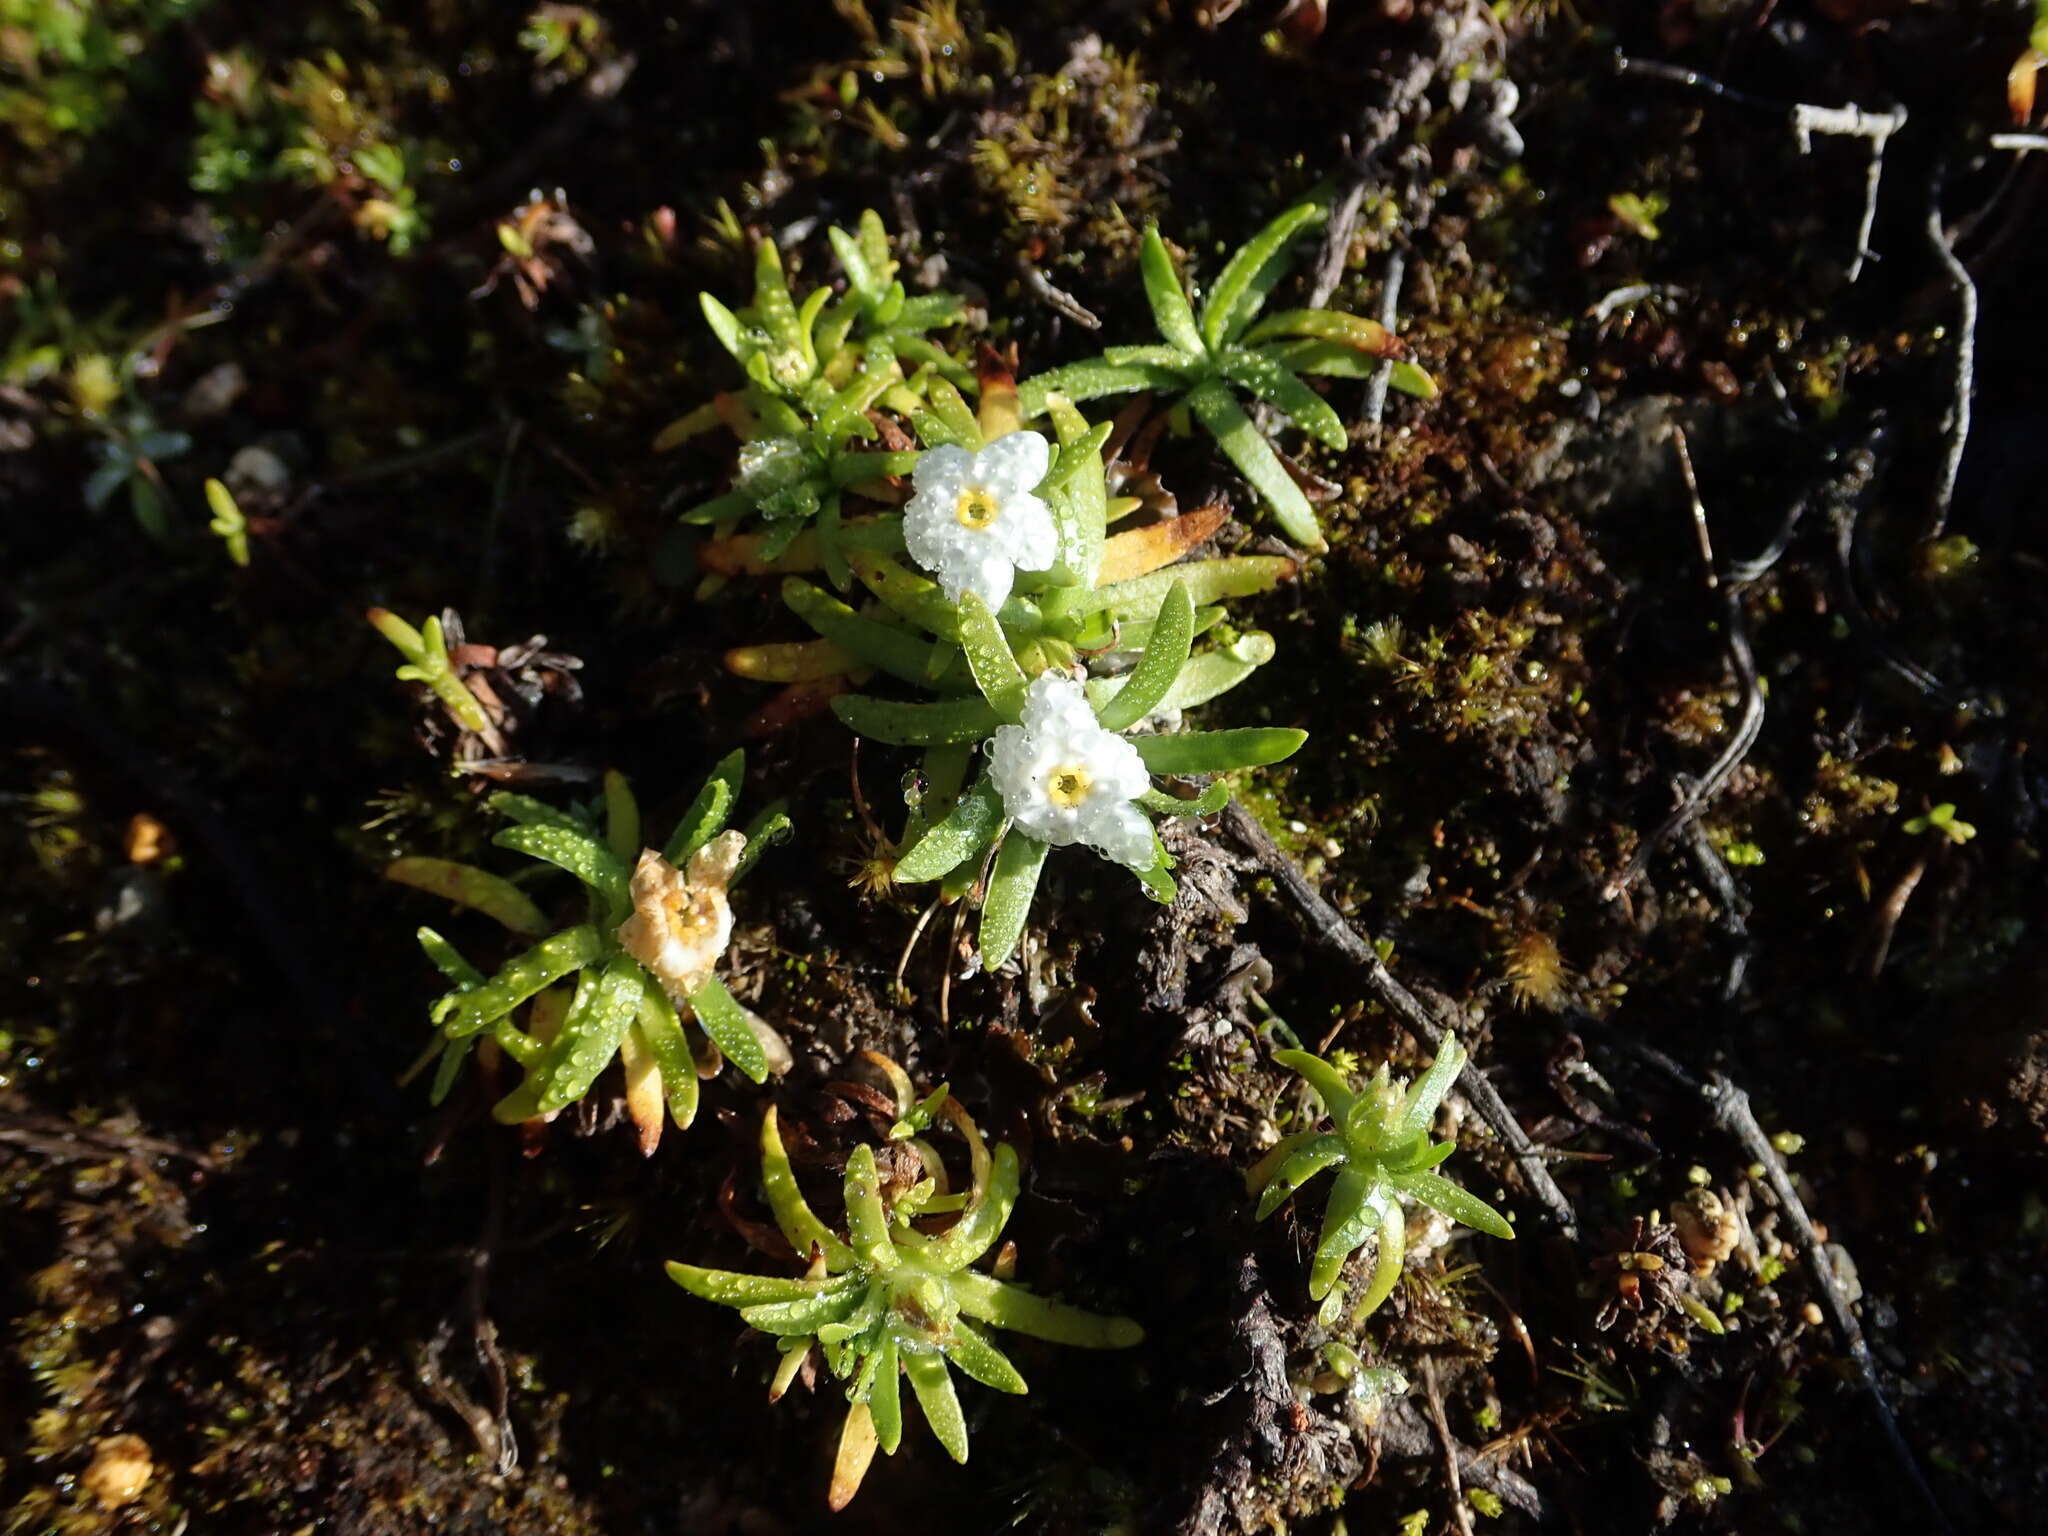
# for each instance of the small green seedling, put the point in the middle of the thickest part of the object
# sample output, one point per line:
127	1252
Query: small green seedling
427	661
642	963
888	1300
1381	1150
1205	360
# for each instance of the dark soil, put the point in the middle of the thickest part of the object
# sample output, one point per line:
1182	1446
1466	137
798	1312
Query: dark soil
324	1306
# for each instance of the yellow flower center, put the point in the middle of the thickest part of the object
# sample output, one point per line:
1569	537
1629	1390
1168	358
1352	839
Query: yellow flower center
976	508
1067	787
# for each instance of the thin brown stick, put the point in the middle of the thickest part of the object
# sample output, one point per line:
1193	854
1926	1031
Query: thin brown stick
1335	930
1459	1512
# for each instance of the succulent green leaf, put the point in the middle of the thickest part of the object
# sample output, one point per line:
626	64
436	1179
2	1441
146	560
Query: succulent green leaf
867	1222
1163	292
1272	381
969	827
1347	1222
975	1233
576	851
1021	1311
708	812
1211	800
980	1359
1330	1085
621	817
726	1022
730	1288
1241	442
448	960
661	1031
468	886
541	966
995	669
1385	1208
933	1385
885	1398
1172	633
1091	379
1218	751
903	591
1252	272
1353	331
772	826
1439	1193
793	1214
1302	1165
605	1004
725	325
899	652
806	1314
1207	581
528	811
1419	1106
1011	885
917	725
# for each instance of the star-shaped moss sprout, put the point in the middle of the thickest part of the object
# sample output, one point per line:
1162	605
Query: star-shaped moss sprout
1381	1150
642	964
888	1300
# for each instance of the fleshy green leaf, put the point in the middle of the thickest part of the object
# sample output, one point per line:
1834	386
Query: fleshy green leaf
1163	292
730	1288
1271	381
726	1022
933	1385
917	725
468	886
899	652
1011	885
1251	273
981	1360
974	1233
605	1004
1172	632
1208	581
1020	1311
1439	1193
1330	1085
1090	380
1304	1164
541	966
995	669
1240	441
708	812
578	852
964	831
1211	800
793	1214
1218	751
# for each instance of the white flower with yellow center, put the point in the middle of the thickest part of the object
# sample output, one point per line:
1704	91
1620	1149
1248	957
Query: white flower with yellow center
1064	779
974	522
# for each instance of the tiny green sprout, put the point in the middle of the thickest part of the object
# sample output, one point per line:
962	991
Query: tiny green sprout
1942	818
814	371
1205	360
1381	1151
228	523
427	661
642	963
889	1300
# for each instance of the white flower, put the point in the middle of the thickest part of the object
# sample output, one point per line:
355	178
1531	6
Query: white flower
973	522
1064	779
681	922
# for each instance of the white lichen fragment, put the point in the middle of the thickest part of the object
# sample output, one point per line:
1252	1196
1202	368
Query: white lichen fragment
1064	779
973	521
681	919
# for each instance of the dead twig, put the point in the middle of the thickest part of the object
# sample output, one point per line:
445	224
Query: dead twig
1335	930
1694	794
1805	120
1390	302
1730	1107
1955	425
1459	1512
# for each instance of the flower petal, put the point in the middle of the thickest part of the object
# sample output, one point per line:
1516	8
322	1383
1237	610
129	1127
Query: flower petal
1123	832
944	468
1013	464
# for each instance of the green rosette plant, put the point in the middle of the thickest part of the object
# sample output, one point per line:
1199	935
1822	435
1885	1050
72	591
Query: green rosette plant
1380	1148
620	984
1003	629
1205	361
815	369
891	1300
